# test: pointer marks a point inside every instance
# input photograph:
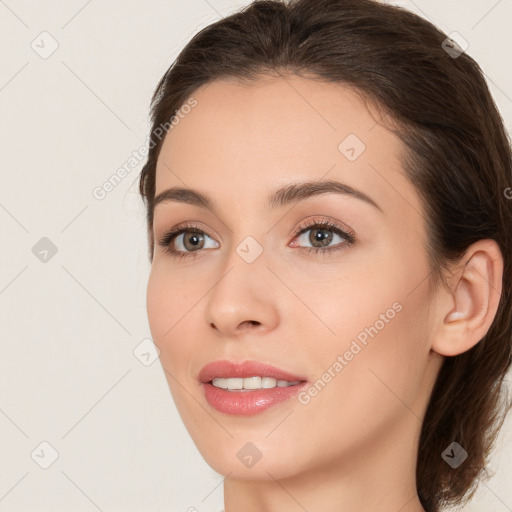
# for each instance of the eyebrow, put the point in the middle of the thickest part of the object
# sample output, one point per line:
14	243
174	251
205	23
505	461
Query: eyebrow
287	194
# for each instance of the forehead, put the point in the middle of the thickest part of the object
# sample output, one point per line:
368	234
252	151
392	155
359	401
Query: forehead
273	131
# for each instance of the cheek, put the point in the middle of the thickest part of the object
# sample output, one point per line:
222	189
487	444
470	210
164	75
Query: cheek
375	318
158	303
388	371
173	308
379	378
339	304
168	298
167	306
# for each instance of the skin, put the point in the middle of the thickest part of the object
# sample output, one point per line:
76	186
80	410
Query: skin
353	446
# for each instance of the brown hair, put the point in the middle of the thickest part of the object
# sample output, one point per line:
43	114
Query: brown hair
457	155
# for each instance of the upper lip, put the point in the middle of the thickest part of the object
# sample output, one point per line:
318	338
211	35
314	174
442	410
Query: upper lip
244	369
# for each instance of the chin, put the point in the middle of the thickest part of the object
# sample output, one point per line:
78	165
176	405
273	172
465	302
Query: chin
266	468
247	456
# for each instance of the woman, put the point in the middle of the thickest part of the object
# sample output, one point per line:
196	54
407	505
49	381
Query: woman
330	238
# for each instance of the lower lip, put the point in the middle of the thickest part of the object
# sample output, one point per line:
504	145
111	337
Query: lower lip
250	402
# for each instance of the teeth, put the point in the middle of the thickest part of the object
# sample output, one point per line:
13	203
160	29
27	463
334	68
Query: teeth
236	383
268	382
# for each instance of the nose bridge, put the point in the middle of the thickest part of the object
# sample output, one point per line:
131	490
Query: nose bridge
248	243
249	254
241	295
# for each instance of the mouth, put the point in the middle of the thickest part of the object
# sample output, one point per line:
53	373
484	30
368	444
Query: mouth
247	388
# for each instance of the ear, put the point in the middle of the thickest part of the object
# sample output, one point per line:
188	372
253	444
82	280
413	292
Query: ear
471	300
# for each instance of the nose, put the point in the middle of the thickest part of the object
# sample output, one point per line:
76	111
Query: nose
242	299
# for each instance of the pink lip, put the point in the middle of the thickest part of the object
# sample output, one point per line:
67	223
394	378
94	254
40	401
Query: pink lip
248	402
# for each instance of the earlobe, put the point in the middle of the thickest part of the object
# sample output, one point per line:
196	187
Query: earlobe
473	298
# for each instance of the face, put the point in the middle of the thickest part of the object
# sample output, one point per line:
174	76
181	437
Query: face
329	286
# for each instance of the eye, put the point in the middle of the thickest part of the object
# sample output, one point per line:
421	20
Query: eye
321	235
188	239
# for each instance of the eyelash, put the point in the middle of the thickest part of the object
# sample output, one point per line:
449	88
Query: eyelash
349	236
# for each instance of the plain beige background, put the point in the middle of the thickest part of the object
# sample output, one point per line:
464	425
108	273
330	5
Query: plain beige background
86	419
